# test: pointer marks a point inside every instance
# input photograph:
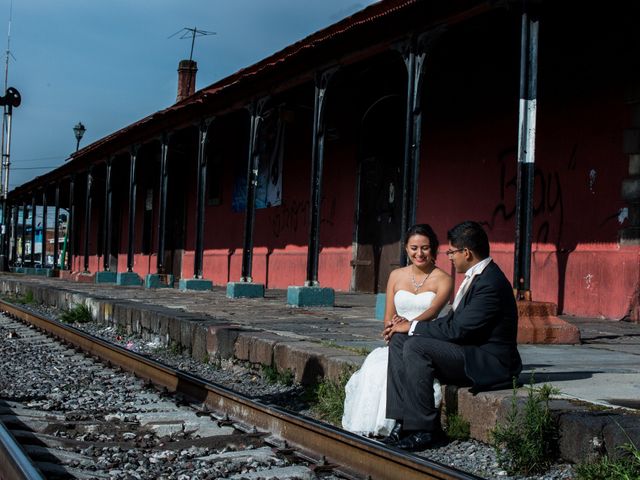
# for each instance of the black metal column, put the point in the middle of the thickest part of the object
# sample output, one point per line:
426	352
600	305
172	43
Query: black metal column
43	257
14	232
322	80
255	110
414	53
108	197
87	217
56	226
32	256
132	206
162	202
203	133
526	156
23	240
71	224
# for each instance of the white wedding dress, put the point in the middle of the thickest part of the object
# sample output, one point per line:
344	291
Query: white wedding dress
366	391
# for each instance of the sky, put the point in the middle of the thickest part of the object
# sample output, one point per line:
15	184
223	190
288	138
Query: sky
110	63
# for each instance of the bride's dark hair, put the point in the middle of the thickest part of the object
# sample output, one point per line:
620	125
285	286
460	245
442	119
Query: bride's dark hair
426	231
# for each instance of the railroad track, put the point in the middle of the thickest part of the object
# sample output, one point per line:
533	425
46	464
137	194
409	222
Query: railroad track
329	451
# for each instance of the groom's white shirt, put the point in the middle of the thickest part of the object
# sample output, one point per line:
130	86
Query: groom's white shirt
477	269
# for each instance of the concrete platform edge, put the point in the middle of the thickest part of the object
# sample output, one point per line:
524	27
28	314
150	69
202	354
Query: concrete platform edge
584	432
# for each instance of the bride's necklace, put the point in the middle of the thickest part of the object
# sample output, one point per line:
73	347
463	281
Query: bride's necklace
417	285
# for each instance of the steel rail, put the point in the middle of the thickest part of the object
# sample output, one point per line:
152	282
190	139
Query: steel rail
350	453
15	464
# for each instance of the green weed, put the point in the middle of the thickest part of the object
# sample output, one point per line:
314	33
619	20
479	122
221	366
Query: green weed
526	443
26	299
78	314
175	348
272	375
626	467
457	427
327	398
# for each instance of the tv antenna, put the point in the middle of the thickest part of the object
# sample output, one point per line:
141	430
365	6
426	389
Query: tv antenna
192	33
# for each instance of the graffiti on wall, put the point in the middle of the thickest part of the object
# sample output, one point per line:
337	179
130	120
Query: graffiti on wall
547	197
293	216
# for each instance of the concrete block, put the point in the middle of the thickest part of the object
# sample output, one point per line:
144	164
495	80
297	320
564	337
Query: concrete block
256	347
175	333
310	296
106	277
621	430
381	305
307	360
581	436
128	279
483	411
199	342
245	290
107	312
186	333
221	340
199	284
158	280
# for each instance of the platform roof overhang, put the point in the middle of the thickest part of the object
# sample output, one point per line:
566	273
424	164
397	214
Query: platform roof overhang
360	36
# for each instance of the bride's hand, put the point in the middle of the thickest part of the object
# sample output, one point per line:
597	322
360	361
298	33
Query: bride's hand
402	325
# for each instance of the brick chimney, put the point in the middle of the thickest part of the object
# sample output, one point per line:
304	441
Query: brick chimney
186	79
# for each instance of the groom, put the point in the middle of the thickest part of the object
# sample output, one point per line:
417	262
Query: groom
474	345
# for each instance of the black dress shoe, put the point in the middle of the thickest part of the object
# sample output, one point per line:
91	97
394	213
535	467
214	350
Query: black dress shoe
418	441
394	436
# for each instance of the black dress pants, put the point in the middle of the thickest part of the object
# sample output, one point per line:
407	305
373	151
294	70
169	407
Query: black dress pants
414	362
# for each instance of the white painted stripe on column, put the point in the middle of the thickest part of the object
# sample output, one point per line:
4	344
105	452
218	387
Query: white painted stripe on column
530	155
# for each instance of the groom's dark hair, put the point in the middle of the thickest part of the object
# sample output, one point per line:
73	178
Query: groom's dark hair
470	235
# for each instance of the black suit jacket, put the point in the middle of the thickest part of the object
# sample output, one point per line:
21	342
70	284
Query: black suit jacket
485	323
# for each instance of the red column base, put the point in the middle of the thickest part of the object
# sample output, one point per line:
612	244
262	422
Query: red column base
66	275
538	323
83	277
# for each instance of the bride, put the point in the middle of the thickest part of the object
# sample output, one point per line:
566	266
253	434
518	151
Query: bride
417	292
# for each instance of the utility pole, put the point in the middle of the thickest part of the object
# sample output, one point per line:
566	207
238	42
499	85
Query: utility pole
11	99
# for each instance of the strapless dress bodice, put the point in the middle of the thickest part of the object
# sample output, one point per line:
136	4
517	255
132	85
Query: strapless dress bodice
410	305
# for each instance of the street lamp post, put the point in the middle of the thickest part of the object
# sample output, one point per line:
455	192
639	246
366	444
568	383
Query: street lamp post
79	130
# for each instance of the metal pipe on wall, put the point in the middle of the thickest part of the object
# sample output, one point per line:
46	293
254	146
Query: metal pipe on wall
162	202
108	197
87	217
56	225
322	80
201	183
43	255
133	154
71	224
255	110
